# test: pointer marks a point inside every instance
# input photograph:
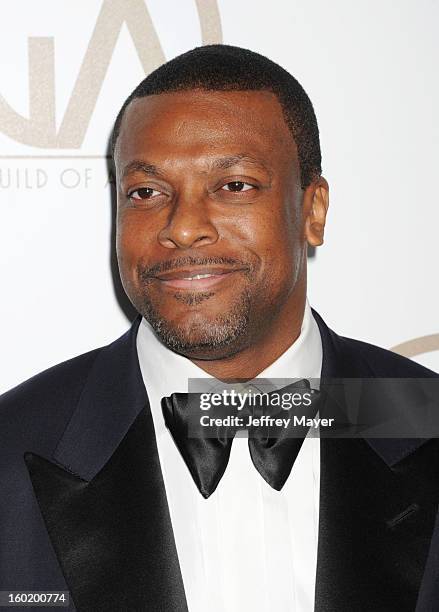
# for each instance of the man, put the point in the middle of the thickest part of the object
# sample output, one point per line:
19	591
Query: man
219	193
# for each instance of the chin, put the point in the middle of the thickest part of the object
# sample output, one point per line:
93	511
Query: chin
203	337
201	333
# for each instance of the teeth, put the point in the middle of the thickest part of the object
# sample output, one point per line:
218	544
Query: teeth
197	276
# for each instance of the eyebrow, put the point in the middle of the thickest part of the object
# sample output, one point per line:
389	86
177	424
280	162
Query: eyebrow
143	166
229	161
220	163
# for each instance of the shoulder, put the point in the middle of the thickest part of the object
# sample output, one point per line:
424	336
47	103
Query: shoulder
35	414
40	407
354	358
385	363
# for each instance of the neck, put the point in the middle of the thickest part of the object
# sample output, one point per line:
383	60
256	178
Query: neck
251	361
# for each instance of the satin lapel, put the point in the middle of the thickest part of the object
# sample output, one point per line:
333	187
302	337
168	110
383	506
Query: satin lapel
378	505
103	499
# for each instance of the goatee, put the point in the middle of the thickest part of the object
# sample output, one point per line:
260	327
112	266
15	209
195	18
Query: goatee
203	337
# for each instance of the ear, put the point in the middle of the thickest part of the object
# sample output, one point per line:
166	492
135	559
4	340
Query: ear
316	202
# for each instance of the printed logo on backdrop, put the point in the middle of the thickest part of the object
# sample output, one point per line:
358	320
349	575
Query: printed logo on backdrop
418	346
39	129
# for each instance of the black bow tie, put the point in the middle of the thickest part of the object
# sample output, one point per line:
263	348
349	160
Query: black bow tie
207	457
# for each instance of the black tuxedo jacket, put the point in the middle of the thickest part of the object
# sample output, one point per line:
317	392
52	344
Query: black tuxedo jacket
83	506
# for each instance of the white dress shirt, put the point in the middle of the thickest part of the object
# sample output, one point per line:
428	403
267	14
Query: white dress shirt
247	547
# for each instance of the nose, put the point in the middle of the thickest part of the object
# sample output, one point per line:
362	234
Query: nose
189	225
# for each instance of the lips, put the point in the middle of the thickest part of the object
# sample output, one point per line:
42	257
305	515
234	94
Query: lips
195	278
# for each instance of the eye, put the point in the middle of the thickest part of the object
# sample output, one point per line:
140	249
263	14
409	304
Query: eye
143	193
237	186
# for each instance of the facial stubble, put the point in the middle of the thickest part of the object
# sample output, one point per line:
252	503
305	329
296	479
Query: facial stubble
202	338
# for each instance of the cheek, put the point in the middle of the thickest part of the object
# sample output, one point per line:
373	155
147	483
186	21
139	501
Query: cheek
276	237
133	243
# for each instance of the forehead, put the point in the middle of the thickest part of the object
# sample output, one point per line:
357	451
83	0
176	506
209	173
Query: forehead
190	124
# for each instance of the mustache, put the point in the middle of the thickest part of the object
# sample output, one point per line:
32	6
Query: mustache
146	272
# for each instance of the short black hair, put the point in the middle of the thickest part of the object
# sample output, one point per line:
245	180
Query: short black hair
229	68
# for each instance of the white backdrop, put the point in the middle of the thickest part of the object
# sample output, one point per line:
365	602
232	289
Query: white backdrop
370	68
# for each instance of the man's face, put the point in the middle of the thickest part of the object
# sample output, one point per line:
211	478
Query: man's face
210	226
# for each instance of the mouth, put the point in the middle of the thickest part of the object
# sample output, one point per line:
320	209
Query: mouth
195	278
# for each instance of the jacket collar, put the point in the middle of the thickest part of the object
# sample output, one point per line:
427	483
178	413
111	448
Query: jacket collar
112	398
341	361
